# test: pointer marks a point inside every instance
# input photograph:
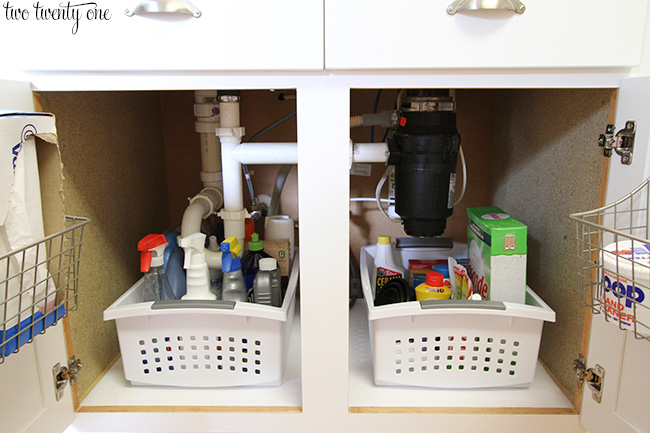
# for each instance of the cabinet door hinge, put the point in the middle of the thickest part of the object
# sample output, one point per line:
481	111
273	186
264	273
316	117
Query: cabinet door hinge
64	374
622	142
595	377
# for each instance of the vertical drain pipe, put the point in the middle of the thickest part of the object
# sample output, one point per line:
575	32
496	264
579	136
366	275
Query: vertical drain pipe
230	134
206	110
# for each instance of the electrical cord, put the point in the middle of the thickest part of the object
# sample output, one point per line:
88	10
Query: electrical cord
462	161
378	194
374	110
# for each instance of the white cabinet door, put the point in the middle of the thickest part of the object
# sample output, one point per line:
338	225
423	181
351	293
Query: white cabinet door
364	34
28	402
626	387
228	35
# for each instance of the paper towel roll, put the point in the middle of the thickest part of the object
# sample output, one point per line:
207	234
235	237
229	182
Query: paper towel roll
625	294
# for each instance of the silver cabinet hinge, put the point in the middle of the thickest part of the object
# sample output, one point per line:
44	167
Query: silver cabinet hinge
595	377
64	374
622	142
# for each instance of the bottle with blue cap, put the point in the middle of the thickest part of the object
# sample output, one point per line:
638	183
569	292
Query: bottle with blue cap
233	287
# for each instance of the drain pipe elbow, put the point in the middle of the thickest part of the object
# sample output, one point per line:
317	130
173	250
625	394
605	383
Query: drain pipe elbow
201	206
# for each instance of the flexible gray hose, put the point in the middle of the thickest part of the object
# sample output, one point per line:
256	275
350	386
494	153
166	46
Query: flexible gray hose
277	189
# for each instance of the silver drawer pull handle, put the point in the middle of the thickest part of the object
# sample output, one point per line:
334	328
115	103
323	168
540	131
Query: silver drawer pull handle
475	5
170	6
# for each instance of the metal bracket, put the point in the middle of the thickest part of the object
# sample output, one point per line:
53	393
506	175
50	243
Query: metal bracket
595	377
64	374
622	142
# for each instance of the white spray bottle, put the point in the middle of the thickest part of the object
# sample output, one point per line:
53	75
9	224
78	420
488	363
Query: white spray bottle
198	274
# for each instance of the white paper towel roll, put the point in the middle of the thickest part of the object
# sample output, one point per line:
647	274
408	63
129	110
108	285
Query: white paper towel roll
626	285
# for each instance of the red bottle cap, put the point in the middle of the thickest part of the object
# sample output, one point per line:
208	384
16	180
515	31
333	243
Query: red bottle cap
434	279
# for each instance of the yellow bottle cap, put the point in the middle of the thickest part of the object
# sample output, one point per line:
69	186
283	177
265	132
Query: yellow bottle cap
383	240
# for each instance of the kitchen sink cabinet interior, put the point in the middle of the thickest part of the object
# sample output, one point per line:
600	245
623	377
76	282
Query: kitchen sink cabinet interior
131	158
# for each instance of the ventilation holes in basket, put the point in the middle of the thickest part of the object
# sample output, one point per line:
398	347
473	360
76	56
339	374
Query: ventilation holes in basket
203	357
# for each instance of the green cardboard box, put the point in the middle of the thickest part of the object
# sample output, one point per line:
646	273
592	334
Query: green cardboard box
497	248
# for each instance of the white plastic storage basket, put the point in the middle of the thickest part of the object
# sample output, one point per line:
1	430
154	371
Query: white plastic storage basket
203	343
452	344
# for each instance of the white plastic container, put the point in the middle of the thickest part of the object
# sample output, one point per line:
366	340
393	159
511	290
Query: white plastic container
456	343
625	294
202	343
385	267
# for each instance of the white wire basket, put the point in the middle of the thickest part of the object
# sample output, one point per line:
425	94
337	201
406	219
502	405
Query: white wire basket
613	249
455	343
39	284
204	344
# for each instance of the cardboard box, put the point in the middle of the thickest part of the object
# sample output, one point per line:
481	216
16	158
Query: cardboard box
31	207
497	248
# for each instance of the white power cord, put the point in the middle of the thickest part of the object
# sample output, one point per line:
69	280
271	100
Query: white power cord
462	162
378	194
356	199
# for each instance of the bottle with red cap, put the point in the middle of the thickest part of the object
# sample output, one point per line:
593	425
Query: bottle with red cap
152	260
433	288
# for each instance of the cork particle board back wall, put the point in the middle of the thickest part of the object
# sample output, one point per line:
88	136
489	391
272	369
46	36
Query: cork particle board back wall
114	168
546	165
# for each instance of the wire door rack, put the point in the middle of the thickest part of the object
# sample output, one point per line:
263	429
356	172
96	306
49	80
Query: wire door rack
39	285
613	249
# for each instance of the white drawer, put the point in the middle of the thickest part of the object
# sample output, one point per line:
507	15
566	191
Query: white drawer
228	35
383	34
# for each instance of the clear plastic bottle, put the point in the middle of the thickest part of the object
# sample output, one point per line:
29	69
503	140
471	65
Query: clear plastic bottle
266	284
152	261
251	260
385	267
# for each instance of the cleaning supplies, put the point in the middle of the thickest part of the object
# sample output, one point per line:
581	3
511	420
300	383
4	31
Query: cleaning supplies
497	245
198	275
385	266
251	259
216	276
152	260
233	287
174	257
266	284
434	288
624	292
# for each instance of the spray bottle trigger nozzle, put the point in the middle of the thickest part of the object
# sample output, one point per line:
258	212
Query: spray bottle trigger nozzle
188	258
145	261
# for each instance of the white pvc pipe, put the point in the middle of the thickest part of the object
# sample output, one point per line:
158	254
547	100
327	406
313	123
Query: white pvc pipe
229	114
233	194
266	153
201	206
213	259
193	216
207	120
369	152
210	153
